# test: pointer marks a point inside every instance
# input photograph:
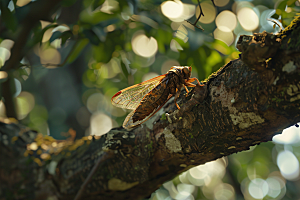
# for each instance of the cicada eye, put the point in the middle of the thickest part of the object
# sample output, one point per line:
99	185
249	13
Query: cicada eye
186	72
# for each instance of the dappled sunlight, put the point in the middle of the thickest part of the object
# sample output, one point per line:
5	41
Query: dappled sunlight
221	3
73	63
258	188
205	177
149	76
175	46
289	135
49	57
210	12
100	124
25	103
248	19
288	165
224	191
225	36
144	46
21	3
226	21
5	47
177	11
181	33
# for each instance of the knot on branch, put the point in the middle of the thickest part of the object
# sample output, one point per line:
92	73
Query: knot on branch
258	49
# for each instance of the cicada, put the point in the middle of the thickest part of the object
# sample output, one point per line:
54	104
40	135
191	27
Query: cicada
148	97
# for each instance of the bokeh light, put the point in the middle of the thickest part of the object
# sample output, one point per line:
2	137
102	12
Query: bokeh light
25	103
226	21
224	191
7	43
277	187
258	188
18	87
48	33
221	3
175	46
21	3
210	12
183	191
288	165
144	46
100	124
38	119
248	19
225	36
160	194
153	44
4	55
182	33
49	57
289	135
149	76
5	47
96	102
177	11
3	75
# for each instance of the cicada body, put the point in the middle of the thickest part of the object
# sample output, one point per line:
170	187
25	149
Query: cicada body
148	97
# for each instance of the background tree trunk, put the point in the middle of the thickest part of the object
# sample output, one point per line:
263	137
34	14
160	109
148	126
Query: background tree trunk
245	103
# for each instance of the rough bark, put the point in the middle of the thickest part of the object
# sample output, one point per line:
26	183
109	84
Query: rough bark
245	103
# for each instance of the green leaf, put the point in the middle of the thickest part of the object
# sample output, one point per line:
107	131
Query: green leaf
7	16
97	3
63	35
95	17
99	31
68	3
124	69
55	35
38	34
91	35
79	46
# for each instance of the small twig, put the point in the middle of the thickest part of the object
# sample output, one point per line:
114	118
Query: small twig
9	100
89	178
201	14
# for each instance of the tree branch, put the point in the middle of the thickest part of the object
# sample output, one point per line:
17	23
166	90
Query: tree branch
245	103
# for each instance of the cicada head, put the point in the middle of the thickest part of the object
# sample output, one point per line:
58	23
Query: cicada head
186	71
183	71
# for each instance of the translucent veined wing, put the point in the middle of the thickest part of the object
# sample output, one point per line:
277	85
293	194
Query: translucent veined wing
130	97
128	122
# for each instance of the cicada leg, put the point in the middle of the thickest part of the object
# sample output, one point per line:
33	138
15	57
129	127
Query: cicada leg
187	91
188	82
176	97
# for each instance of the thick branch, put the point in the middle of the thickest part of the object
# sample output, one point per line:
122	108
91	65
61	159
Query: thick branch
238	107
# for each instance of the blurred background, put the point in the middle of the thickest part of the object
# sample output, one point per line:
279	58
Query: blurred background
91	49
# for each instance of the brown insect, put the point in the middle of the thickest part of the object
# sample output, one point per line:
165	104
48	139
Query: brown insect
146	98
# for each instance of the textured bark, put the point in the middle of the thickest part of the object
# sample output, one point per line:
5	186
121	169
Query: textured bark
245	103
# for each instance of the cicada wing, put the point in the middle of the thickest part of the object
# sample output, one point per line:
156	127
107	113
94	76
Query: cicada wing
130	97
128	122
